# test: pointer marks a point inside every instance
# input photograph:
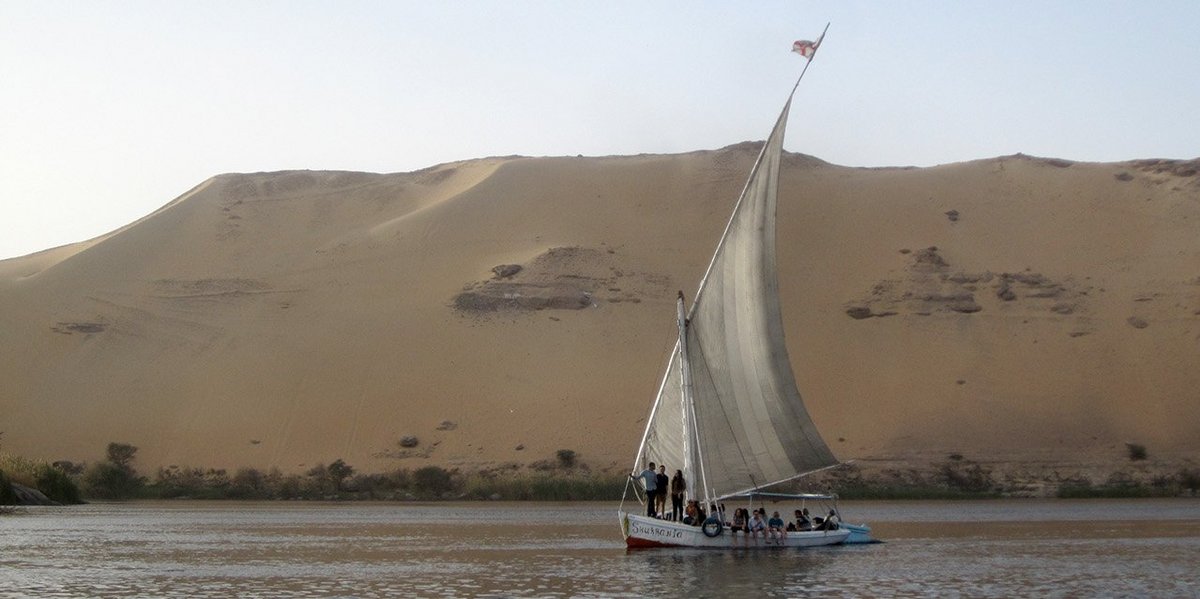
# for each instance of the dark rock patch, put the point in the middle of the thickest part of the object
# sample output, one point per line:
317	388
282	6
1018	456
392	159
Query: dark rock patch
965	306
952	297
525	297
929	260
1178	168
1062	308
30	496
67	328
1005	292
505	271
963	278
858	312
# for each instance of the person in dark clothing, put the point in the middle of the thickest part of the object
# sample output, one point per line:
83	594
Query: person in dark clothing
830	522
661	482
678	490
803	522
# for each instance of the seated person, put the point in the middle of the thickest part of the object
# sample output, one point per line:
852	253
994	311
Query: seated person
689	513
830	522
758	528
740	523
775	527
803	522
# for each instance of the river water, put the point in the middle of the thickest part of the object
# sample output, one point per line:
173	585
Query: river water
1013	548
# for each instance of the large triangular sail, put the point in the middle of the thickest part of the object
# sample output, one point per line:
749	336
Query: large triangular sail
742	424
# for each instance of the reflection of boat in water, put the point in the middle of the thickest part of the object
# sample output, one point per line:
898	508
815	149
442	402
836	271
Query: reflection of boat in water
728	413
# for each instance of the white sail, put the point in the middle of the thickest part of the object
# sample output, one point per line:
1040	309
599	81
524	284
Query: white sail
750	428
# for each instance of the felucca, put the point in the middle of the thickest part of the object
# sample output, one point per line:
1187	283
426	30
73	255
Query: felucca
728	413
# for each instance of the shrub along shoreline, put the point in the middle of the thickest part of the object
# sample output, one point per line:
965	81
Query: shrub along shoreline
115	478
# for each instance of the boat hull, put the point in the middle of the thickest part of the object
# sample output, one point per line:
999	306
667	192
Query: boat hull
644	532
859	534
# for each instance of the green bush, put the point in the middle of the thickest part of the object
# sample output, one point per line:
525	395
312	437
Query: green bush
339	471
1087	491
248	483
109	481
566	458
116	477
431	481
967	478
544	487
193	483
7	496
57	485
21	471
52	481
1189	479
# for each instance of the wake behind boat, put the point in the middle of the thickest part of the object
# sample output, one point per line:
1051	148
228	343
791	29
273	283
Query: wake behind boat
728	415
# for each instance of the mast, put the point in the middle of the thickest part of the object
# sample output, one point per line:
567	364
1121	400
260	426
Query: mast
692	449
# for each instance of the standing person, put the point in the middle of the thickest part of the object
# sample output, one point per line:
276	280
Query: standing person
678	490
661	482
650	483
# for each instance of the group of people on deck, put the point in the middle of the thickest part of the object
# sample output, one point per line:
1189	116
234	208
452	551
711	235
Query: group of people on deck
757	525
657	484
754	525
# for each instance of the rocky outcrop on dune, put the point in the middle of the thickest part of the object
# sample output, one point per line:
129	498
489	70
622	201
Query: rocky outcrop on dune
932	287
561	278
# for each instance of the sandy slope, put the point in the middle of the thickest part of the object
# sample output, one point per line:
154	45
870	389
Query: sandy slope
286	319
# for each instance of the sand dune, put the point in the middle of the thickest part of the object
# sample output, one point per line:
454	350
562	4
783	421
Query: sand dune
1032	309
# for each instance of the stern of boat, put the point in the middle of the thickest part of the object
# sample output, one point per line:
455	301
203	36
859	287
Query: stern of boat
859	534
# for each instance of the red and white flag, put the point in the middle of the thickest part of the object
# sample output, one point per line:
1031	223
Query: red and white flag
805	48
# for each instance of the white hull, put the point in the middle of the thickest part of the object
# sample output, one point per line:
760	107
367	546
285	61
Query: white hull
642	531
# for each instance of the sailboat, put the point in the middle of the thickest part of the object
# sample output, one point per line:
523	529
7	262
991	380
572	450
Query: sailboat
728	412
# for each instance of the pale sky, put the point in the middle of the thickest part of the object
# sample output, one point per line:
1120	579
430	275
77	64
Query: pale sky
108	110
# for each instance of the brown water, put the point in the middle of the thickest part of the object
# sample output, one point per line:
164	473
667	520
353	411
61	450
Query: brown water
1145	548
